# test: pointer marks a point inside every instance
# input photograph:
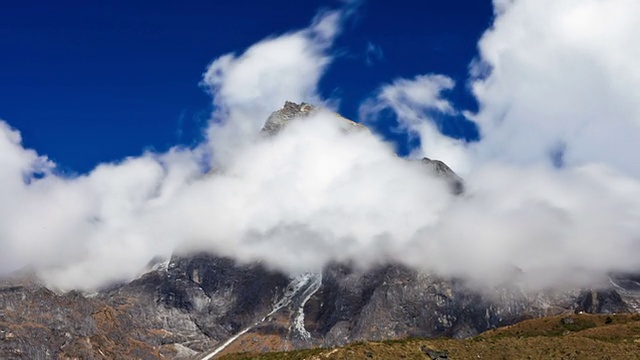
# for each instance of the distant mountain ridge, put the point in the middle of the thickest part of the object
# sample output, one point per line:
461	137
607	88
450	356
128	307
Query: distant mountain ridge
202	306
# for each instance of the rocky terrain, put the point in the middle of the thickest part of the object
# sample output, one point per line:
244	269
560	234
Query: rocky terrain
204	306
559	337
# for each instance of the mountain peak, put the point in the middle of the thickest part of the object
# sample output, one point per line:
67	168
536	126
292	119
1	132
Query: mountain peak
291	110
280	118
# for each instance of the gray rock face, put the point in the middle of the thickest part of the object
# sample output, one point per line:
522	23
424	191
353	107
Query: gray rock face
196	303
393	301
200	300
36	323
455	182
292	111
383	303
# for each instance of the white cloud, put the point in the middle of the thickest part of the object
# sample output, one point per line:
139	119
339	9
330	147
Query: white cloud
537	225
316	193
557	85
313	194
563	73
84	231
414	102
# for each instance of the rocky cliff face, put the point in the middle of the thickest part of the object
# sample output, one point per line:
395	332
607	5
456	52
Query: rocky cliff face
202	306
395	302
193	305
36	323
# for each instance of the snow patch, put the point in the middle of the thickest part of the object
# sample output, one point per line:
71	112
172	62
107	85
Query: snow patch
297	293
313	284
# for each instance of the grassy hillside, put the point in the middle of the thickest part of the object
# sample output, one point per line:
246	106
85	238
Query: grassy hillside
580	336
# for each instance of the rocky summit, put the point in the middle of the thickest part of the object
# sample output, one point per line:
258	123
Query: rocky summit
203	306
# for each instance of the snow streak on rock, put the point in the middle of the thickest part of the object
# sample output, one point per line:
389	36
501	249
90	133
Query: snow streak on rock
296	295
312	284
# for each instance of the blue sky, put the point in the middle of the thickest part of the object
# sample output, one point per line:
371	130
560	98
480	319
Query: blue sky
87	83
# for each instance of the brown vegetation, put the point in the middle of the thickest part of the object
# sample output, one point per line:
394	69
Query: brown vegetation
579	336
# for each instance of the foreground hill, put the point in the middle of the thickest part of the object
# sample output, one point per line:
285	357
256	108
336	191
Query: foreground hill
579	336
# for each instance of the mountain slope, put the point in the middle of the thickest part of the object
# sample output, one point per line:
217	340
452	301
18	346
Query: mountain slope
560	337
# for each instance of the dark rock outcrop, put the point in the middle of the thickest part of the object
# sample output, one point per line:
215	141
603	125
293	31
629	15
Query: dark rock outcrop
434	354
200	300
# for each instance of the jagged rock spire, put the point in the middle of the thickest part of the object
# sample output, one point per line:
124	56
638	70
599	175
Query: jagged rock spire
278	119
290	111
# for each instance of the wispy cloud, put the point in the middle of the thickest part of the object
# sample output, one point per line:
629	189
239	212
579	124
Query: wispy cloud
373	54
415	101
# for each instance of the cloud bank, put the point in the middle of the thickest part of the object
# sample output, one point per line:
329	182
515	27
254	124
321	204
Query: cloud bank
553	192
562	79
553	181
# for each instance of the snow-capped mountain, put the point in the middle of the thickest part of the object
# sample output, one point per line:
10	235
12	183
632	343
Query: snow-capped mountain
202	305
